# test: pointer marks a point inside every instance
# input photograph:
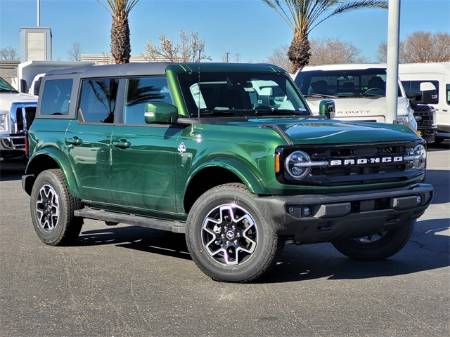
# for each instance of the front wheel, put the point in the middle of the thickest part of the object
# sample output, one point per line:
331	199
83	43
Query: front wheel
228	237
377	246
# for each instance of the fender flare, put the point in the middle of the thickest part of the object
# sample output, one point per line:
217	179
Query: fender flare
236	166
63	163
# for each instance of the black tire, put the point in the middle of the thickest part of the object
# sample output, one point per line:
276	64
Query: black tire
267	247
66	227
387	245
438	140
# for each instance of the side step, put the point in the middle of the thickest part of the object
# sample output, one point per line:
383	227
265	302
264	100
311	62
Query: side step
131	219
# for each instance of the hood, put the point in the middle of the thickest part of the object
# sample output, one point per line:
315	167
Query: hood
361	108
317	131
336	132
6	99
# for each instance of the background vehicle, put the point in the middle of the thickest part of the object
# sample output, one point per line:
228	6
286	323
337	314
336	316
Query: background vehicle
17	112
29	73
359	92
228	154
429	83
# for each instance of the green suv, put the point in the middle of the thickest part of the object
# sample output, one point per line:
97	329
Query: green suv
228	154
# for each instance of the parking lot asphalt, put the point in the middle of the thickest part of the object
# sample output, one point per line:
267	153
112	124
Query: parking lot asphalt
129	281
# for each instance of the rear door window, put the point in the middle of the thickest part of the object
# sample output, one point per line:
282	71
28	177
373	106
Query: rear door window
98	100
56	97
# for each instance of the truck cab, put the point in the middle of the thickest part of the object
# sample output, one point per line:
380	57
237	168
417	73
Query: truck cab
359	92
429	84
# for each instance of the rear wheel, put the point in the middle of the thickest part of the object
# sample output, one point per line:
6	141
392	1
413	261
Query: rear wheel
52	209
376	246
228	237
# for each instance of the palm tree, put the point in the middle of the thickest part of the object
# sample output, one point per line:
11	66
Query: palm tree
305	15
120	30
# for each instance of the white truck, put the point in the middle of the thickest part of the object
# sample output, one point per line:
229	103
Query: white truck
17	111
429	83
30	73
359	92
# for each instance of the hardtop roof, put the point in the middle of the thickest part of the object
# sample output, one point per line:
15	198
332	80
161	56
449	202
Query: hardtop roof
159	68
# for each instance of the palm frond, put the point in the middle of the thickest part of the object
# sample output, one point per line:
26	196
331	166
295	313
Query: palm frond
119	6
346	6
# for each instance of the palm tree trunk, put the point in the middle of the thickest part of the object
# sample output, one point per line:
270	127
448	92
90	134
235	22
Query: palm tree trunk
299	51
120	39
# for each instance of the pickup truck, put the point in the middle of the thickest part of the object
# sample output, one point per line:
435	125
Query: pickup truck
17	112
228	154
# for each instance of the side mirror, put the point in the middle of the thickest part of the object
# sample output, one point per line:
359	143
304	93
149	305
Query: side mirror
160	112
427	86
327	108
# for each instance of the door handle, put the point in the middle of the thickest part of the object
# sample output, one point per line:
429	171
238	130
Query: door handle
121	144
73	141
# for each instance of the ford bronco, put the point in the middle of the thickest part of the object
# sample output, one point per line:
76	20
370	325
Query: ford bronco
228	154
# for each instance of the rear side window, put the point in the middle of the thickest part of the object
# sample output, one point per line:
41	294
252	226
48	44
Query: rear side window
56	97
98	100
448	94
140	92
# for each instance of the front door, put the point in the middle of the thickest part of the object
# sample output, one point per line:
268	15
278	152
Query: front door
143	156
89	138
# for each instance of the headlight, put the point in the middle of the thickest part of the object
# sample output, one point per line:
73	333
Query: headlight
298	165
3	122
408	120
417	156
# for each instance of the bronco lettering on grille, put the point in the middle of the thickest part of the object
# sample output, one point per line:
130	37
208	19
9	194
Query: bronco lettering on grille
365	161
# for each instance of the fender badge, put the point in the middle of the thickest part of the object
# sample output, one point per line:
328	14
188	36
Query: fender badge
182	148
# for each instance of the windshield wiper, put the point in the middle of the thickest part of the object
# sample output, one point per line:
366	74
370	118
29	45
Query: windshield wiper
320	96
365	94
8	90
271	112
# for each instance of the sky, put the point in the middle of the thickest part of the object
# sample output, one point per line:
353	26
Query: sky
245	27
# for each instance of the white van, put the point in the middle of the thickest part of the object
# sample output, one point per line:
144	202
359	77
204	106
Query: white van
429	83
359	92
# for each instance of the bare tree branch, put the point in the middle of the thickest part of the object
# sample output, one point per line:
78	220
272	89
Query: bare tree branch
8	54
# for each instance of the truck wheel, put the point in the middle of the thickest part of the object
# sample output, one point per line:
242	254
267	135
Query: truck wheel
52	209
438	140
377	246
228	236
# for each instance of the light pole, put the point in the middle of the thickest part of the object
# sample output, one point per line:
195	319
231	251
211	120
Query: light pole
38	13
392	60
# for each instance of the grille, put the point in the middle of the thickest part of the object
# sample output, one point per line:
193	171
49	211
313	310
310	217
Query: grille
24	118
424	117
359	174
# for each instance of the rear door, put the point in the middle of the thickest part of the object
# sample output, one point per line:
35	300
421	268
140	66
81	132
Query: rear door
89	137
144	155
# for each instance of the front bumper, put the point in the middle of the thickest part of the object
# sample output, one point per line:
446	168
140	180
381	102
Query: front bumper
12	145
323	218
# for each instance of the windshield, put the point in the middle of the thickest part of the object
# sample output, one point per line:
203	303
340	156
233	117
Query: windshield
5	86
240	94
343	83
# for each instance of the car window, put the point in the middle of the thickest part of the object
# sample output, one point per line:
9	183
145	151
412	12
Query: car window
140	92
343	83
412	89
98	100
56	97
448	94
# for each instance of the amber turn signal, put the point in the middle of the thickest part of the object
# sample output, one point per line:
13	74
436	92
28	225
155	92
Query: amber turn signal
277	163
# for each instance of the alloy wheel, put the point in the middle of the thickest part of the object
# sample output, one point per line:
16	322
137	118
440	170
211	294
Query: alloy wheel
47	208
229	234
